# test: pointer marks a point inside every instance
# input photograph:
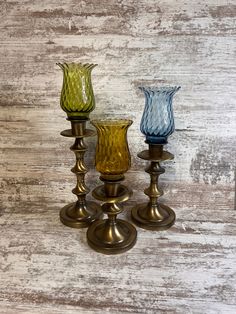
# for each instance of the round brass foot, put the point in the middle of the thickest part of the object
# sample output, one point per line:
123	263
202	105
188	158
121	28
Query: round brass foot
80	217
159	219
109	238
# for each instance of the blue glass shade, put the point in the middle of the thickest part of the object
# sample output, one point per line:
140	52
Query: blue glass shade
157	122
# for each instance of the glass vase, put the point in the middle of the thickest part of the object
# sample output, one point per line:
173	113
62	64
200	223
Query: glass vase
157	122
77	97
112	153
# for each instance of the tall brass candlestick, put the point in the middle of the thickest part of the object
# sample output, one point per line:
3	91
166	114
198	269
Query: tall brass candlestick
77	100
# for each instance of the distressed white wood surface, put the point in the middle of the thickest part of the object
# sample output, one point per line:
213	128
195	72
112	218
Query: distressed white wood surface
48	268
144	42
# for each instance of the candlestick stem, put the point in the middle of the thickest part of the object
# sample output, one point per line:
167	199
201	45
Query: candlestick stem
112	235
154	215
81	213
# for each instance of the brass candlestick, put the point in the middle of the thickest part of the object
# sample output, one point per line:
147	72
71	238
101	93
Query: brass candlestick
153	215
112	236
157	124
77	100
81	213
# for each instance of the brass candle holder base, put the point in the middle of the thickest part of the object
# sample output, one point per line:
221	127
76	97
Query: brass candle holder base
150	217
153	215
111	236
76	215
82	213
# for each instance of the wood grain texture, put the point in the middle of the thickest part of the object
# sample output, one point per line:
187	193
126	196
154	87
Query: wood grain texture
149	42
48	268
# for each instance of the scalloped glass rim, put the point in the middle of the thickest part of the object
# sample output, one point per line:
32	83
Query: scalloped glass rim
161	89
111	122
76	65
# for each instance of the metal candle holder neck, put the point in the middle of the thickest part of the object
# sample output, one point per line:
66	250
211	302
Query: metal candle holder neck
155	151
78	127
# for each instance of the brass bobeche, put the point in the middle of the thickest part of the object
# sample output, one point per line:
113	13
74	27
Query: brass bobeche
81	213
154	215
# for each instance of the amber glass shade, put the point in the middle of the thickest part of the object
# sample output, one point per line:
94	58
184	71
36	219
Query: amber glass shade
77	98
112	151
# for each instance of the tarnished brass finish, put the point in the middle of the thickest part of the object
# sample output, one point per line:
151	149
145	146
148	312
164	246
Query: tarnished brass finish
153	215
111	236
81	213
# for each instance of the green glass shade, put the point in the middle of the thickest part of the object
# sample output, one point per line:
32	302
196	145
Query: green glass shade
77	98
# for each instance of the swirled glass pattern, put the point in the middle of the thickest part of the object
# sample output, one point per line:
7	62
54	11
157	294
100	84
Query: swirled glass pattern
157	122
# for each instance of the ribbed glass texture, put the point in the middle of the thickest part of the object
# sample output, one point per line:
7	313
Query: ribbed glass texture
157	122
112	151
77	98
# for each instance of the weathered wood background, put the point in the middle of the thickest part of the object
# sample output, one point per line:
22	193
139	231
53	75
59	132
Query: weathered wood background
144	42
